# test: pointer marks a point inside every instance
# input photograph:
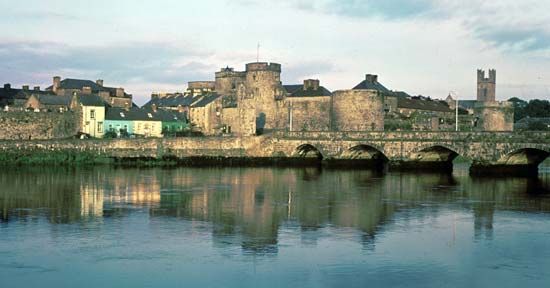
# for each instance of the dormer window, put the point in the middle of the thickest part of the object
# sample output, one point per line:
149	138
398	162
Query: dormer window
150	115
122	115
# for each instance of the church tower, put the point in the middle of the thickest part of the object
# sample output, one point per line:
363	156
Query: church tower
486	86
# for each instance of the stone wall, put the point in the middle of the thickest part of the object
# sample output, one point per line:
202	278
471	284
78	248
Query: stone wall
41	125
310	113
239	121
358	110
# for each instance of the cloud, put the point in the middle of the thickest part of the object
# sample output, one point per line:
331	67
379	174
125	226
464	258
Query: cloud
295	73
397	9
131	62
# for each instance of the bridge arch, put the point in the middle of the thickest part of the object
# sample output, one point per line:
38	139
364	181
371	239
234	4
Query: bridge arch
365	152
435	153
529	156
308	150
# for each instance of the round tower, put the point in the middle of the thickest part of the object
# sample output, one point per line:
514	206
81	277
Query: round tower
264	91
358	110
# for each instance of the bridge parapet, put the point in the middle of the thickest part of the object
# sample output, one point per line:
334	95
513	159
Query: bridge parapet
494	137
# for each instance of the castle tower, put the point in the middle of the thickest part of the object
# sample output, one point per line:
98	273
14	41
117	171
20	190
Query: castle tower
486	87
227	80
264	91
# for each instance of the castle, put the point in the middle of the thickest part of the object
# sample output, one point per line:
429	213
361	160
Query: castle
255	102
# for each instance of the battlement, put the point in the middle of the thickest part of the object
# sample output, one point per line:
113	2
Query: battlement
492	76
263	66
229	73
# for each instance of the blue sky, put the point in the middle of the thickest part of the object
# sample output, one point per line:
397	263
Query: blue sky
422	47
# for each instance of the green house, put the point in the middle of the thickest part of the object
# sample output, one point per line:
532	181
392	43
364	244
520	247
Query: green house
172	121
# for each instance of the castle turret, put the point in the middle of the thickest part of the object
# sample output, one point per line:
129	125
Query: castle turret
486	86
227	80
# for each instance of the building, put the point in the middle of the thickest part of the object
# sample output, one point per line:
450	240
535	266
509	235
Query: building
309	106
50	103
205	114
114	97
146	124
173	122
120	121
92	115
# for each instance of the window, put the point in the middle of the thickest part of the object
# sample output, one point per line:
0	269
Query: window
92	114
100	127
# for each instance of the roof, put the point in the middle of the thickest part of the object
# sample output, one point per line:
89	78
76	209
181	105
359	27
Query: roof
78	84
298	91
372	85
528	119
91	100
167	116
133	114
49	99
173	100
205	100
423	104
292	88
467	104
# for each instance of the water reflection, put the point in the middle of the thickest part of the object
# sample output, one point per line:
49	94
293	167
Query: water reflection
247	208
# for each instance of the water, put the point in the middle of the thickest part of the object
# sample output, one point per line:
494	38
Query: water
269	227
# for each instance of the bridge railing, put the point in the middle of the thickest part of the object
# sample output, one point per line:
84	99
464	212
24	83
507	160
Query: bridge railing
530	136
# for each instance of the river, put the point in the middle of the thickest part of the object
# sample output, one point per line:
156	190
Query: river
271	227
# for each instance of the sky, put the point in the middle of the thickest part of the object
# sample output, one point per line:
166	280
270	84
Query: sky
423	47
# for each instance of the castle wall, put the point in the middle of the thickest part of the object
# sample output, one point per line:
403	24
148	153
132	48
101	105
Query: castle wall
494	116
239	121
42	125
358	110
309	113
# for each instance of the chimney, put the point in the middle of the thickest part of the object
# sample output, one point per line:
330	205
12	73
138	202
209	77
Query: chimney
25	87
99	82
119	92
371	78
7	86
36	88
56	84
86	90
311	84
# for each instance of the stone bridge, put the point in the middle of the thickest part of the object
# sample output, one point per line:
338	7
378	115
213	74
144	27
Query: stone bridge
488	151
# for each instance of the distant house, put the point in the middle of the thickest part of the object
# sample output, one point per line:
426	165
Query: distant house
146	124
20	99
50	103
205	114
114	97
178	102
172	121
92	108
120	121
